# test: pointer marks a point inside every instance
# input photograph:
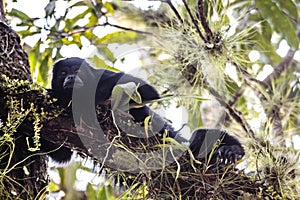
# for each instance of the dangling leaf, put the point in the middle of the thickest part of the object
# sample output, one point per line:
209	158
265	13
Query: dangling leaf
109	8
123	93
21	15
91	193
105	51
279	21
121	37
289	7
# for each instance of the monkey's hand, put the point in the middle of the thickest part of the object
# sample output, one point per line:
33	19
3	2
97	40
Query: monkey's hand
229	154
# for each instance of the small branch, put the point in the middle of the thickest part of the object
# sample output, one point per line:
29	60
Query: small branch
84	29
194	21
243	23
125	28
238	93
203	19
97	9
280	68
235	97
237	116
266	83
253	83
174	10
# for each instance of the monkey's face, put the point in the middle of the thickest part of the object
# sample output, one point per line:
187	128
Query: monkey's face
70	78
65	76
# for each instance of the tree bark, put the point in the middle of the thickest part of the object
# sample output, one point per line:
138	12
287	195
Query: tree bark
24	175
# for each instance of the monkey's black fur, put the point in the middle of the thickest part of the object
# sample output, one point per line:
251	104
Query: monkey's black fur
73	73
64	78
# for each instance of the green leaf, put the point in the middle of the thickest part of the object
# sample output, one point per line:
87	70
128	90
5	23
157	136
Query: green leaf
44	67
75	40
79	3
33	56
133	189
100	63
25	33
267	48
90	35
91	193
121	37
279	21
70	22
109	8
225	20
266	31
106	52
289	7
105	193
81	15
219	6
123	93
231	85
53	187
21	15
93	20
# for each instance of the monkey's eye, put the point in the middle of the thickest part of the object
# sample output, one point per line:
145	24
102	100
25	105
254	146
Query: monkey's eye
77	71
63	73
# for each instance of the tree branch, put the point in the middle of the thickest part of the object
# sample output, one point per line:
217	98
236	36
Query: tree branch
174	10
280	68
62	34
125	28
194	21
277	128
266	83
237	116
203	19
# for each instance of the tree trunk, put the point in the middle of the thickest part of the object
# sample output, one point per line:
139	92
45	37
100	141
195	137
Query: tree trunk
23	175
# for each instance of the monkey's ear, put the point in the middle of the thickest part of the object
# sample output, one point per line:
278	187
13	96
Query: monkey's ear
122	94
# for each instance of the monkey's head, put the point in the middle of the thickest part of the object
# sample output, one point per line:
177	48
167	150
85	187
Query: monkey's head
64	74
64	78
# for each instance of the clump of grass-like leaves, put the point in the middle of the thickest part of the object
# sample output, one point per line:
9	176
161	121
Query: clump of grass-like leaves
200	51
20	106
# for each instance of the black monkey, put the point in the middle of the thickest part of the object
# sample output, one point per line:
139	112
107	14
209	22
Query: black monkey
65	78
75	73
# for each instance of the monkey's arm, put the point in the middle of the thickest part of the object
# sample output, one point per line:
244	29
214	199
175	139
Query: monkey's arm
58	153
110	79
228	151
